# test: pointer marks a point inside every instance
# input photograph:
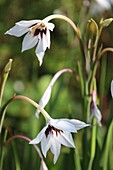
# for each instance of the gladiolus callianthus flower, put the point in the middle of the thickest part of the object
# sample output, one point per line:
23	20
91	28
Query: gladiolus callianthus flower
57	132
37	33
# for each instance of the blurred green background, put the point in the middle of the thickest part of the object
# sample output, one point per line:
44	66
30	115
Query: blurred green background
27	78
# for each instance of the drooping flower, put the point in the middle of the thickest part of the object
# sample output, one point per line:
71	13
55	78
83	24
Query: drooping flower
95	112
47	94
57	132
37	33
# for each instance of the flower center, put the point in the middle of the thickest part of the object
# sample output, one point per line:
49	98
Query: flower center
50	129
38	28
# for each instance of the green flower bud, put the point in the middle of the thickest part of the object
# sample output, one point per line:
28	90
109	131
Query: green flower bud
92	26
106	22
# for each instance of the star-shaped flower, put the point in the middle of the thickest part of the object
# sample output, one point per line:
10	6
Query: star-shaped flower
37	32
57	132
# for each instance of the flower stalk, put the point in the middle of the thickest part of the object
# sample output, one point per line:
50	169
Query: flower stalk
44	113
43	165
75	28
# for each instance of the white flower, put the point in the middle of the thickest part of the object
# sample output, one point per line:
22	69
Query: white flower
37	32
57	132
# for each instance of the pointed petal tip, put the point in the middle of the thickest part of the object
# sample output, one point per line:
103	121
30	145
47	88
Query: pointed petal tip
54	161
6	32
40	63
33	142
30	142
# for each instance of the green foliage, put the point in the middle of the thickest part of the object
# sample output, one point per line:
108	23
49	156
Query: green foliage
71	96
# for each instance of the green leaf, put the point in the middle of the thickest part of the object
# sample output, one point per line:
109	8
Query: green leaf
107	148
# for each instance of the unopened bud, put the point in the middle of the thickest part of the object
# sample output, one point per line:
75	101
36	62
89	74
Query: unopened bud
92	26
106	22
8	66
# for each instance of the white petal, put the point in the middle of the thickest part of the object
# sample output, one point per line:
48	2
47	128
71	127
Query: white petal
65	138
112	88
42	44
55	149
78	124
39	137
29	42
63	124
96	113
46	143
44	100
27	24
17	31
50	26
40	57
47	38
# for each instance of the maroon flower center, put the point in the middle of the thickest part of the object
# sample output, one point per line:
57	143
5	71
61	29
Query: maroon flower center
37	31
50	129
38	28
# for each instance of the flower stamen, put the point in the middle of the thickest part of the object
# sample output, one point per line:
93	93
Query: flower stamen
38	28
50	129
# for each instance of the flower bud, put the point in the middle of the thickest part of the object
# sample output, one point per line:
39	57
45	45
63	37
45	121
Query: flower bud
92	26
106	22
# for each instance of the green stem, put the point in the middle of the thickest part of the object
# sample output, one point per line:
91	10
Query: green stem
3	111
93	144
81	78
44	113
96	44
3	150
87	102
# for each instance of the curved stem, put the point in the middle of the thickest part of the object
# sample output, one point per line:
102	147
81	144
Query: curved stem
44	113
28	139
105	50
57	16
77	31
